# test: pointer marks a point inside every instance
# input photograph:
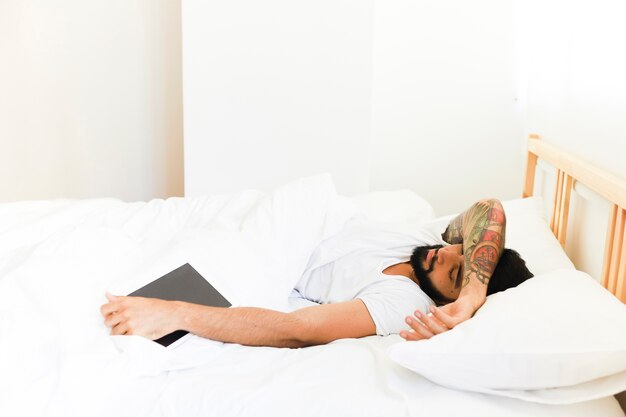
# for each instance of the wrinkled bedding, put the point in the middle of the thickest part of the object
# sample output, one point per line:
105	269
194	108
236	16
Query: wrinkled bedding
57	259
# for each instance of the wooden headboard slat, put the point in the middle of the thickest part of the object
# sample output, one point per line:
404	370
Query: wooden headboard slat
529	181
616	251
566	192
617	286
556	201
608	245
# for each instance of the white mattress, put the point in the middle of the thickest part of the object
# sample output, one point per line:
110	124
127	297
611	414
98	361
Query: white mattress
56	357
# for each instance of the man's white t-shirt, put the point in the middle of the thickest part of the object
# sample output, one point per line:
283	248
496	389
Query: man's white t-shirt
350	265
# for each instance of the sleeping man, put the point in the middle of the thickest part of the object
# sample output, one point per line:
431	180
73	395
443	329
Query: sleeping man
364	291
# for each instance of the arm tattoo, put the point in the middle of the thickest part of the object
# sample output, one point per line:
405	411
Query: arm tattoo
484	240
481	230
454	232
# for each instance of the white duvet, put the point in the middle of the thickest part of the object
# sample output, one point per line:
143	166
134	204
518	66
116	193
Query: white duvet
58	258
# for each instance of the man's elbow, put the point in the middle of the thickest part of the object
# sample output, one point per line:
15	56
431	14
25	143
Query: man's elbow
495	209
492	202
303	332
300	332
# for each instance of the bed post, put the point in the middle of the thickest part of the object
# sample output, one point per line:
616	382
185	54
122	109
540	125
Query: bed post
531	165
614	265
560	206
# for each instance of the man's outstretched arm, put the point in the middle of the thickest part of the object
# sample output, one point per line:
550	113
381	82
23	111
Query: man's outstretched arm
481	229
154	318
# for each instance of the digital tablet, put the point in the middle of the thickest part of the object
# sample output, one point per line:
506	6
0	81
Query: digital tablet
182	284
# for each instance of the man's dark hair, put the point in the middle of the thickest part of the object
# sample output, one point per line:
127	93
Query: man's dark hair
510	271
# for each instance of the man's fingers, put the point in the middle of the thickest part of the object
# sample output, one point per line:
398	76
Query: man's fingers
120	329
443	317
111	306
424	326
107	309
116	303
418	327
432	324
410	336
113	320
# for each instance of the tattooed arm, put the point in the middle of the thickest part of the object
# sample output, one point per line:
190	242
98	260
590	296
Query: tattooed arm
481	230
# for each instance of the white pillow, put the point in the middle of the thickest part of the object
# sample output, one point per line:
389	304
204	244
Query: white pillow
557	338
527	232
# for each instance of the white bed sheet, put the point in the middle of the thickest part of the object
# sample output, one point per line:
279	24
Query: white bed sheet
57	359
349	377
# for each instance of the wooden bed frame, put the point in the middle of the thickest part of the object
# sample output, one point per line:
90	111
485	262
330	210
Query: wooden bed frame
571	169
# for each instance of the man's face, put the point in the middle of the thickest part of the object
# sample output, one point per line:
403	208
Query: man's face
445	269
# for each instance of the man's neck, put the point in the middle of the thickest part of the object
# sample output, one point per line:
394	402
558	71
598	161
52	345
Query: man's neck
403	268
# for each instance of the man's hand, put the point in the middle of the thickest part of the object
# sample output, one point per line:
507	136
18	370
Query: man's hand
147	317
442	319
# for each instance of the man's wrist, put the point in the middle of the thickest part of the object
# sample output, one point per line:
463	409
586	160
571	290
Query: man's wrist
475	296
180	319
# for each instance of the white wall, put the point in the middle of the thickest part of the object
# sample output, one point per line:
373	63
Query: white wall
446	120
276	90
383	94
90	102
573	63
